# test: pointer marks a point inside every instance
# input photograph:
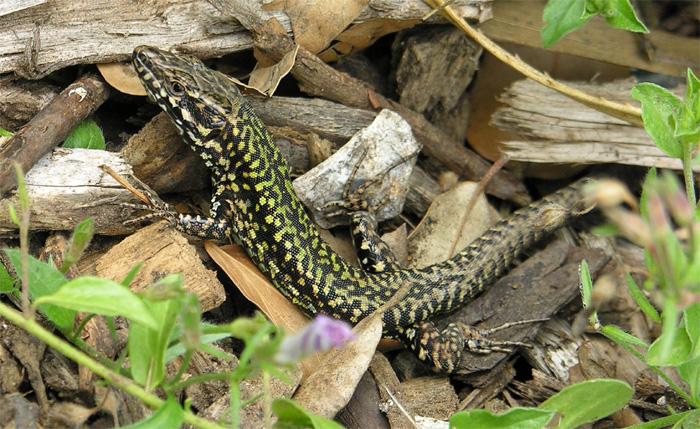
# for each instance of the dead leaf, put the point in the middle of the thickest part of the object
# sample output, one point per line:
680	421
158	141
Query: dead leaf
330	388
316	23
362	35
266	79
431	241
122	77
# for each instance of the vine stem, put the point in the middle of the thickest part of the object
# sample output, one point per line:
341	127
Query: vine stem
123	383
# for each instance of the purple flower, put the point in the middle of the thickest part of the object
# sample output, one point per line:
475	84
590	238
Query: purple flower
322	334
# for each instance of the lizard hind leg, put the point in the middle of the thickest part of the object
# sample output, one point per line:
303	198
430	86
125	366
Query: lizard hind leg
443	349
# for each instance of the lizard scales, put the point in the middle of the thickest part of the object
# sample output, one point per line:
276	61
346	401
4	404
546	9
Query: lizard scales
254	204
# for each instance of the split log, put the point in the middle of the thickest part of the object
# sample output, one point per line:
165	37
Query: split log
556	129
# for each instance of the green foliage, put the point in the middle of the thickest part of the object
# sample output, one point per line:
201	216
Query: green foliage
564	16
660	109
5	133
291	415
588	401
7	283
168	416
515	418
576	404
147	344
44	280
86	135
79	242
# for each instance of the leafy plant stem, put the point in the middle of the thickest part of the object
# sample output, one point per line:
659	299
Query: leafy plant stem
199	379
63	347
235	402
661	374
24	239
688	173
662	422
183	365
267	400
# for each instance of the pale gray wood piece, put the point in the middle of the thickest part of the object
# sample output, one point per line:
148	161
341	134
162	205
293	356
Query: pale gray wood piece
556	129
68	186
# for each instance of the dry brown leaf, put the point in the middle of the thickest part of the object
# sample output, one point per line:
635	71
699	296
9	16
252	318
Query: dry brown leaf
122	77
330	388
266	79
431	241
317	22
362	35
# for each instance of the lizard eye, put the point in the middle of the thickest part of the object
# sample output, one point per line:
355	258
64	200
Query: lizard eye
177	88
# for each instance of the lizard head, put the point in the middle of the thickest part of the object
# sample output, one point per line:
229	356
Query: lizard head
198	100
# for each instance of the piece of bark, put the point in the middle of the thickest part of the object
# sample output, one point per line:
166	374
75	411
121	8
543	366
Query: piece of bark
162	160
9	6
50	127
16	411
317	78
162	252
435	67
11	374
556	129
362	410
60	33
203	395
29	351
489	386
20	100
68	186
330	120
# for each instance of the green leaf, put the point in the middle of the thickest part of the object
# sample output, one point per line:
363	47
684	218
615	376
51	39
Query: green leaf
586	284
562	17
147	346
690	373
620	14
688	125
689	421
86	135
673	354
168	416
5	133
642	300
691	322
292	415
659	108
101	296
621	337
7	283
78	243
44	280
131	274
515	418
588	401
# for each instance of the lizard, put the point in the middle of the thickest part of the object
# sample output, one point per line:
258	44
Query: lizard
254	205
